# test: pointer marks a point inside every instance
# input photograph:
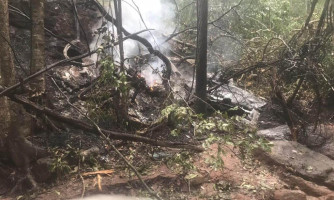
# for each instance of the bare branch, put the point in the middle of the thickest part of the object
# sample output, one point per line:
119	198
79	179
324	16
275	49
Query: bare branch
90	128
19	12
143	41
6	91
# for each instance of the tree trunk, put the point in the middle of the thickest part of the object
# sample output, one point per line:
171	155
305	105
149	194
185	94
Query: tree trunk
122	96
119	32
201	56
6	71
13	119
37	45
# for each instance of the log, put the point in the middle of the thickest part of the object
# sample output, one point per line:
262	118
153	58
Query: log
29	105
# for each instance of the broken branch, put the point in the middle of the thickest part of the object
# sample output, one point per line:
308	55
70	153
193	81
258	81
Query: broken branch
90	128
6	91
143	41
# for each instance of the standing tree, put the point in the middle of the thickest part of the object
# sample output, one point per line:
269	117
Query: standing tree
37	44
201	56
122	96
7	73
12	136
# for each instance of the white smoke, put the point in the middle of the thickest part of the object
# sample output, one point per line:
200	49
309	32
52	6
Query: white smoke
139	15
152	14
148	14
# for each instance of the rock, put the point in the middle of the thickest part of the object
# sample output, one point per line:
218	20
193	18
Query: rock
327	149
326	134
322	138
303	161
289	195
327	197
277	133
312	198
306	186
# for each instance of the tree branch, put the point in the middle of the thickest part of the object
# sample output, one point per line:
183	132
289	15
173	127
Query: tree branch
143	41
6	91
90	128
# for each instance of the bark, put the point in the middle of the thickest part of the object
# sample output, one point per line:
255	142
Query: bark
119	31
29	105
201	56
12	134
121	97
6	71
37	45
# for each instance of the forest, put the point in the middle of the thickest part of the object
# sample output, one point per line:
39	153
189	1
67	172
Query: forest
167	99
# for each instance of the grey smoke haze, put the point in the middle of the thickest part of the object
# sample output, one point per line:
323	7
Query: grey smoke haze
152	14
156	14
145	14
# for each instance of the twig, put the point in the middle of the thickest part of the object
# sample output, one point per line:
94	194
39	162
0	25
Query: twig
225	13
88	127
295	92
15	56
42	71
112	146
209	23
240	72
83	186
19	12
6	91
275	38
79	25
143	41
182	42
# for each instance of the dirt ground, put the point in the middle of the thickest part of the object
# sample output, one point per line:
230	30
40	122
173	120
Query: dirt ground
236	180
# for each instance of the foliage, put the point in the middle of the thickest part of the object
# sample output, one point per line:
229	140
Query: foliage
59	165
68	160
275	33
181	162
113	87
179	118
218	129
113	76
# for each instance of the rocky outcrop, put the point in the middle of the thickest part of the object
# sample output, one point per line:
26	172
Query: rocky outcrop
286	194
327	197
308	187
277	133
320	139
302	161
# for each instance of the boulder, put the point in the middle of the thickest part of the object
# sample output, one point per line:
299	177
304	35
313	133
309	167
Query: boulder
302	161
277	133
312	198
321	139
306	186
324	135
327	197
327	149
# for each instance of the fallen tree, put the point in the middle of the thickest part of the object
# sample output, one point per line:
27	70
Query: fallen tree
30	106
